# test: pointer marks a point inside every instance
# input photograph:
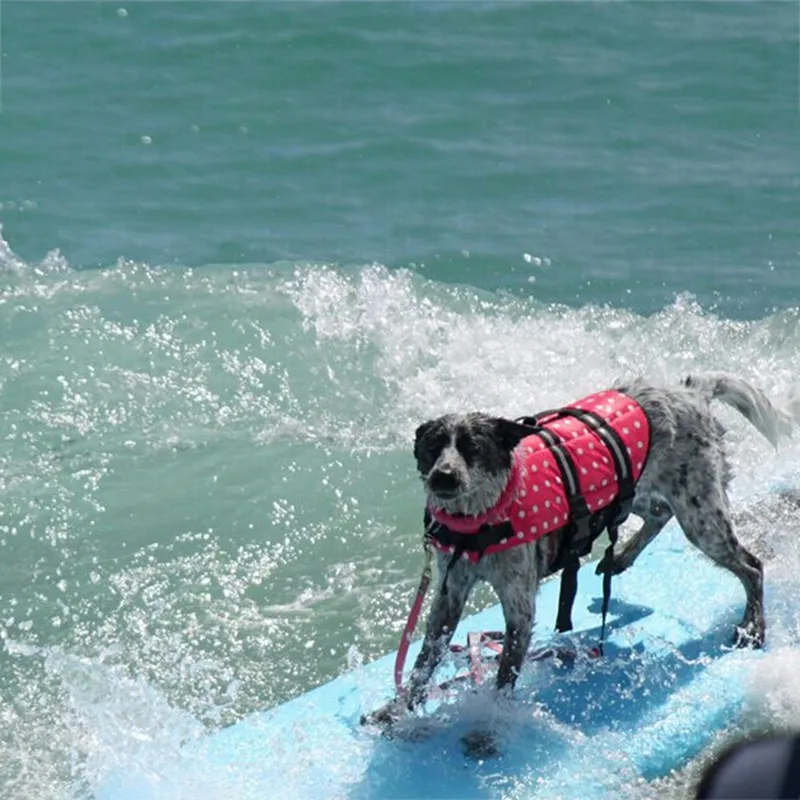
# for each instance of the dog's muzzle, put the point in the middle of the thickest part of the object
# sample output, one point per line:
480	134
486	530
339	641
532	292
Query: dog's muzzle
443	481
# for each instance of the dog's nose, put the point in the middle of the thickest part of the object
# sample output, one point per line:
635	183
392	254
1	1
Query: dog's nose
443	479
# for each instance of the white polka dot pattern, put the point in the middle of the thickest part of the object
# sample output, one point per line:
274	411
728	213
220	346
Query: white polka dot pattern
539	477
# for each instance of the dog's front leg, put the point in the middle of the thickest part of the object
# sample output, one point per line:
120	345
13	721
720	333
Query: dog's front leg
519	627
448	605
515	579
446	610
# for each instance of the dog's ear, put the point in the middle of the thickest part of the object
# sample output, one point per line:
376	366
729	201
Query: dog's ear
421	432
510	433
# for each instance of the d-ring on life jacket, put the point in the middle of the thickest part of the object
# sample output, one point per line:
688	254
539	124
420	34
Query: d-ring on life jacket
577	470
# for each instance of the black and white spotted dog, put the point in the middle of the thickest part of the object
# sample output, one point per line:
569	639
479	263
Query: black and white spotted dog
465	460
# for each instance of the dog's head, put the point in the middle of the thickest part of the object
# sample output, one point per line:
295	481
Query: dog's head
464	460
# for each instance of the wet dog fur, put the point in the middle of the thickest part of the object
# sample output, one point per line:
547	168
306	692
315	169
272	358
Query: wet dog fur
464	462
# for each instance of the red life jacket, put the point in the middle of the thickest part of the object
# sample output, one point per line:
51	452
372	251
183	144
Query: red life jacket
535	501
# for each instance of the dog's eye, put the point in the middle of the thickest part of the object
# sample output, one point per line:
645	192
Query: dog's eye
431	450
466	446
439	443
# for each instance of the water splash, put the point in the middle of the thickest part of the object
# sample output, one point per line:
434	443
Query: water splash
205	470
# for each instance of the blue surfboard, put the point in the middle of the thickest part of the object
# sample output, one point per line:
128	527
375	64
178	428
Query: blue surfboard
667	683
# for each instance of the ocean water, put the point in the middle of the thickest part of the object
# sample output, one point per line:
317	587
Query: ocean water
248	247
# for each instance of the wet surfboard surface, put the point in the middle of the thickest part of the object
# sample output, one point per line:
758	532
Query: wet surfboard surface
668	681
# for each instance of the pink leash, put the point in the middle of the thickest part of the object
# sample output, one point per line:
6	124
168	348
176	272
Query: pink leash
475	641
413	616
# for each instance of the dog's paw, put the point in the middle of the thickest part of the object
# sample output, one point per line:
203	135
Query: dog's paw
480	745
750	634
387	715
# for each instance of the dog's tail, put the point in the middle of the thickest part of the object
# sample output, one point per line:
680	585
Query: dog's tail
752	403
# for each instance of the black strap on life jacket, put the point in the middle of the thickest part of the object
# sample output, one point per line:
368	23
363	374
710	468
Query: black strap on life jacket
578	529
487	536
579	535
613	533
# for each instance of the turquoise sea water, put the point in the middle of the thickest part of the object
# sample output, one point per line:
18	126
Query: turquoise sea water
248	247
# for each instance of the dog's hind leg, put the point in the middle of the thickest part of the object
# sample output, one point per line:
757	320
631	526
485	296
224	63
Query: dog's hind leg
656	516
705	519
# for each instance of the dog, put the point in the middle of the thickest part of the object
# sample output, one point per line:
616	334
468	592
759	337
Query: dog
466	463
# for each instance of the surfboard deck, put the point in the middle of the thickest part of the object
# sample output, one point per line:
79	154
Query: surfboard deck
668	681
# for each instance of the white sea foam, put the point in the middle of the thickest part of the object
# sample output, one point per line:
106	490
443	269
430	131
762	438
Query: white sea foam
207	469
